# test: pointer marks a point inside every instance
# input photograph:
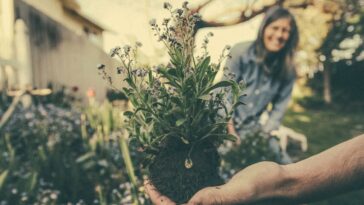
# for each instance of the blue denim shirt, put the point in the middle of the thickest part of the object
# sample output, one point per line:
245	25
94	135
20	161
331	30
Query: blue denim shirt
262	89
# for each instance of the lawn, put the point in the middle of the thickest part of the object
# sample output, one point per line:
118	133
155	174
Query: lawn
326	127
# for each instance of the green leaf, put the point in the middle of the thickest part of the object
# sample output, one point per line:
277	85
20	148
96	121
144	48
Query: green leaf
128	113
210	128
130	82
203	65
172	72
127	91
33	181
199	117
103	163
156	104
184	140
88	165
180	122
221	84
176	100
148	120
205	97
230	137
85	157
171	79
142	109
3	176
201	68
150	77
238	104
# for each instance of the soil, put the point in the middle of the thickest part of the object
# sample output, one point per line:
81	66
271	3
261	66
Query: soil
170	176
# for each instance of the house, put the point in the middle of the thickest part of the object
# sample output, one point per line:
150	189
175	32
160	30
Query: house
50	41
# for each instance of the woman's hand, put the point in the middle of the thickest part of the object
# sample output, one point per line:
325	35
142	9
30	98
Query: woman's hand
231	130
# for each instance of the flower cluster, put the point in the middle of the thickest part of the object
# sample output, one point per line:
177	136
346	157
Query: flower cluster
177	31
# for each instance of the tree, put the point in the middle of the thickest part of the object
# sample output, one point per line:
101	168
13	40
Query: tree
247	11
343	41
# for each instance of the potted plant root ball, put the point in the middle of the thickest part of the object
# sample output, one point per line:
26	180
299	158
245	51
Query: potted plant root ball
179	113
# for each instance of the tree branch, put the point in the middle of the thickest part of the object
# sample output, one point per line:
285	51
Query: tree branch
201	6
245	16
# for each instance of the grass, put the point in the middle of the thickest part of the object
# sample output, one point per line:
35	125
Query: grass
324	128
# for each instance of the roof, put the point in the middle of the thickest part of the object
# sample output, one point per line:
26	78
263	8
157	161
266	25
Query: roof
74	8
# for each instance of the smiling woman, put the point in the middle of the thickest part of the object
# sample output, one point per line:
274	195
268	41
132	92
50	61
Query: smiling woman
266	66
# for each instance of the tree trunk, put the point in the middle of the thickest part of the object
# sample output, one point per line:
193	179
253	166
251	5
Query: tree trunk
327	84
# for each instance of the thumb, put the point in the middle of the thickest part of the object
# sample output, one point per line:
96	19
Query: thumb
206	196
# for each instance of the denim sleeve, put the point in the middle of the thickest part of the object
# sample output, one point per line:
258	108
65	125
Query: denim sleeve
280	103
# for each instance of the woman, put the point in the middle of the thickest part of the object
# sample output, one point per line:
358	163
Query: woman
266	66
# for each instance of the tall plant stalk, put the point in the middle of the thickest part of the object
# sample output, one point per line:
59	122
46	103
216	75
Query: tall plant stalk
129	167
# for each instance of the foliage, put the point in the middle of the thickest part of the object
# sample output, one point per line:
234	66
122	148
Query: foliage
347	86
108	123
49	155
330	31
178	101
344	41
311	38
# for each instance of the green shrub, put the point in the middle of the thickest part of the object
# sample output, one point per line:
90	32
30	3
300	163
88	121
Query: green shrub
49	155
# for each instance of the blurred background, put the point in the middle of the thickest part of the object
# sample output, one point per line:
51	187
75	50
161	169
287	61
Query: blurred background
61	133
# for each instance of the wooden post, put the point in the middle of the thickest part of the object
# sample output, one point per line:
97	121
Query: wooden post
7	42
22	48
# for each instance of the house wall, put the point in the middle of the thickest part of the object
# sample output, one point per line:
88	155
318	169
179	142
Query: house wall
54	9
60	56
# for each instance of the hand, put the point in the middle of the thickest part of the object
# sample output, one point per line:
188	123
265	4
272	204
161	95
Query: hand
231	130
238	139
156	197
246	187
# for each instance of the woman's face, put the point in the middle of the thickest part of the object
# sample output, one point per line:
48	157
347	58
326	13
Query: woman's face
276	34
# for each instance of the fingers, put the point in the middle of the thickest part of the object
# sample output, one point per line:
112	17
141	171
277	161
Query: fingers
155	196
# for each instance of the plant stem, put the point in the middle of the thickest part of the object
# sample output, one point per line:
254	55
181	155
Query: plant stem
129	167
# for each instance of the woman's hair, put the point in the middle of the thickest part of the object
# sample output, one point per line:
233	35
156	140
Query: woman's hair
283	63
